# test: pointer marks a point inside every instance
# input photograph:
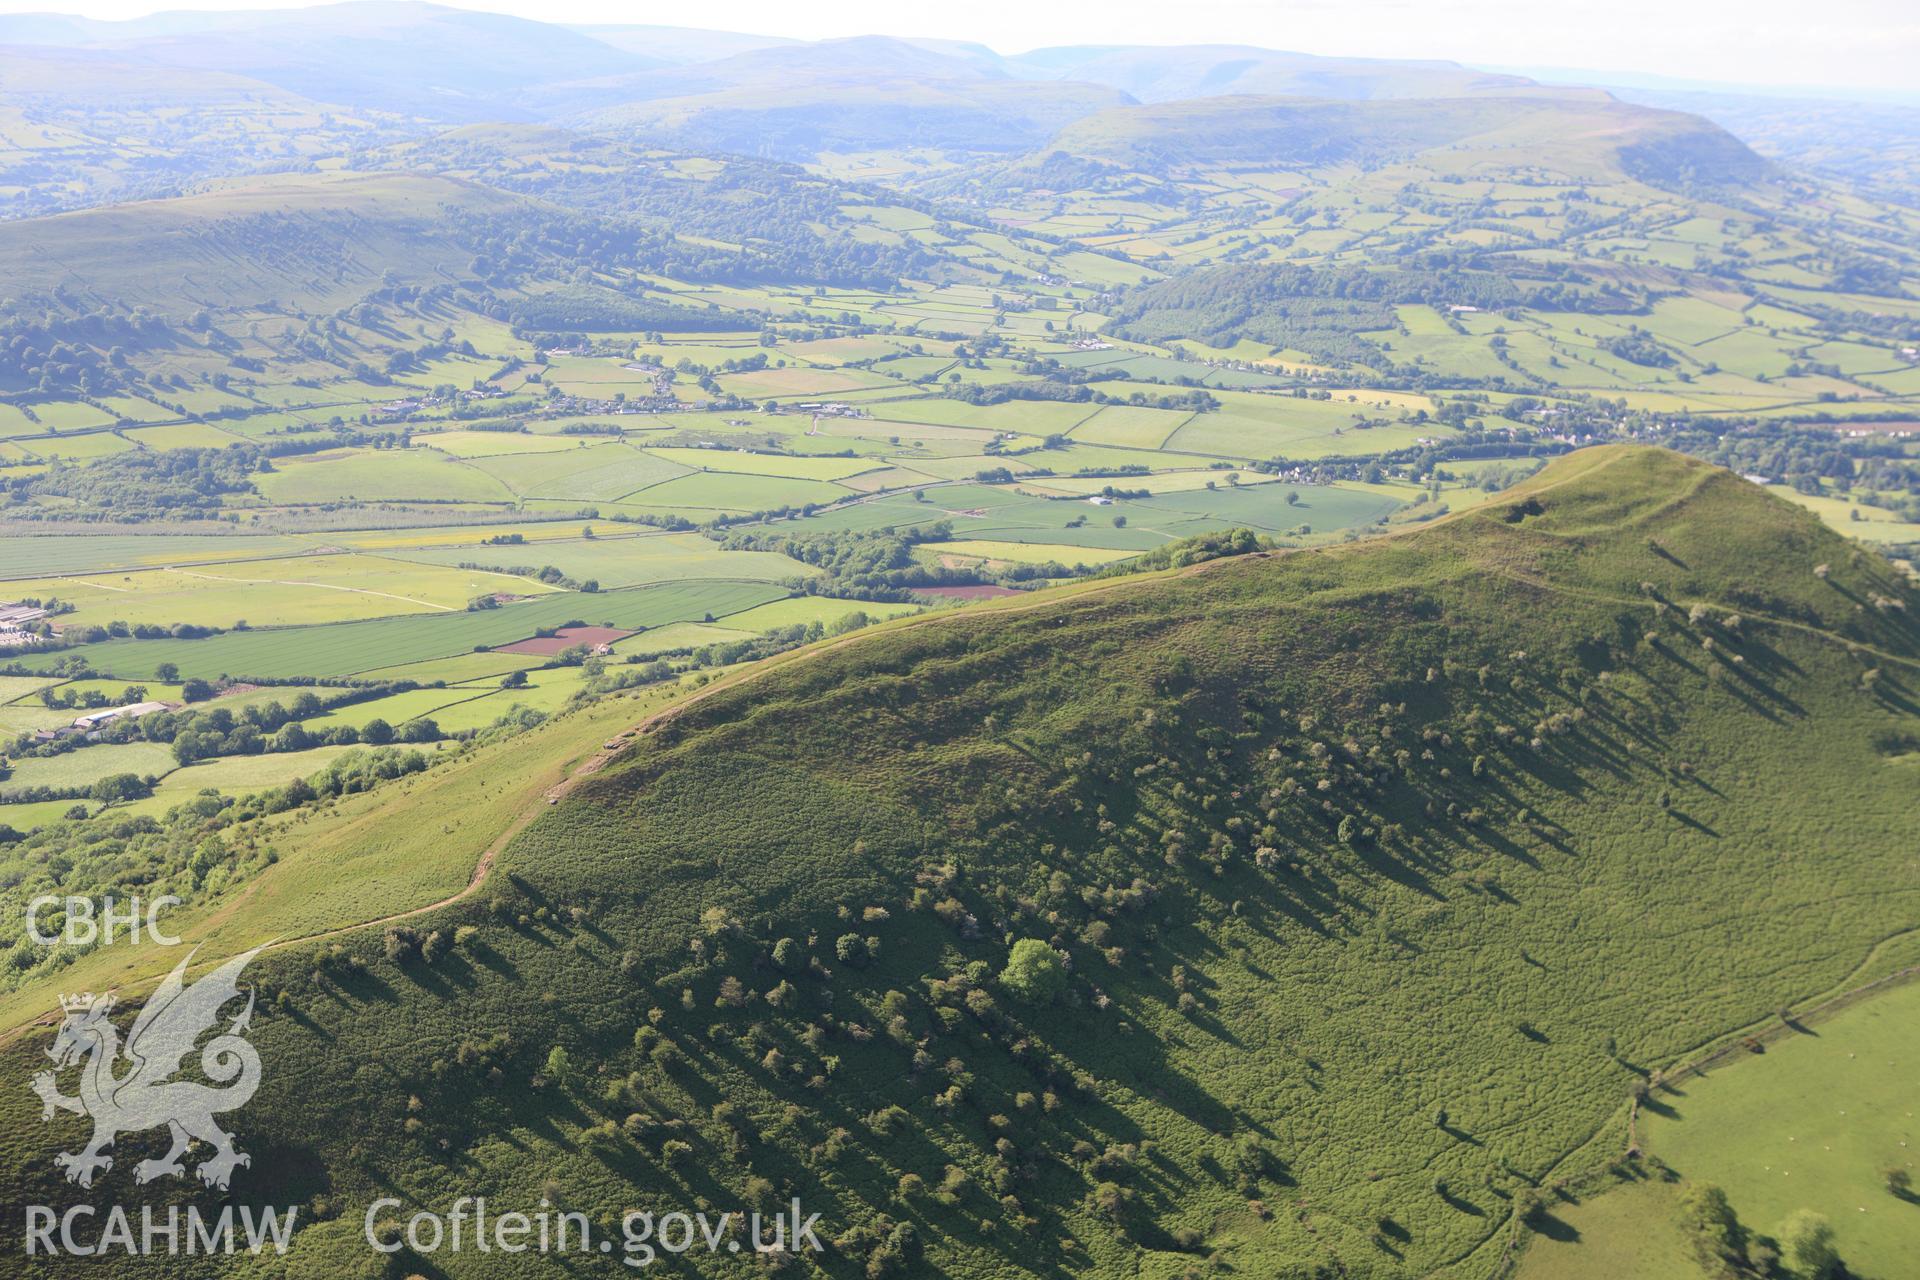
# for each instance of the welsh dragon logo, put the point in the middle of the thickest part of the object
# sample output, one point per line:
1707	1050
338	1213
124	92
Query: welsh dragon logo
126	1094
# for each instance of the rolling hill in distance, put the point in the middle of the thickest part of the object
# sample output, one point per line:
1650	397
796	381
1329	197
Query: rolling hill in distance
1285	133
1101	661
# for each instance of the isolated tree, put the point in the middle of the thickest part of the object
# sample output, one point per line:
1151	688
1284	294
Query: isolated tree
1035	973
120	786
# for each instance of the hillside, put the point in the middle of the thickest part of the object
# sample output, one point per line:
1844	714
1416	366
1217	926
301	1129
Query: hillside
1877	143
83	126
1382	871
310	240
1572	135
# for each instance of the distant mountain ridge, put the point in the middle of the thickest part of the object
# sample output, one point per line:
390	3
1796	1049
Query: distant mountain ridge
1580	130
796	101
371	53
1155	74
484	66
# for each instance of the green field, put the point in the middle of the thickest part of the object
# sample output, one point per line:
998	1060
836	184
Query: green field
232	775
281	592
716	491
35	814
380	476
456	670
803	610
679	635
601	472
82	767
764	464
17	688
489	444
619	561
1629	1231
1812	1123
182	435
348	648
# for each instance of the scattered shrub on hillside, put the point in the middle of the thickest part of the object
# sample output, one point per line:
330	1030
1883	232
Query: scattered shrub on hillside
402	944
559	1064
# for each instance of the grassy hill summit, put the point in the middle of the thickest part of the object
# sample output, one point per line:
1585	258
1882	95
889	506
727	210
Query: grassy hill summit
1310	914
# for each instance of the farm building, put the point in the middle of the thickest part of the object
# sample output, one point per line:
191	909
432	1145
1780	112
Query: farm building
132	711
14	619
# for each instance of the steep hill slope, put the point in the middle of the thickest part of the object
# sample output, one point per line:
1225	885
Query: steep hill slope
1379	874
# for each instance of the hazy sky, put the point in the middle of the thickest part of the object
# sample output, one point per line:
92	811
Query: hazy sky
1838	43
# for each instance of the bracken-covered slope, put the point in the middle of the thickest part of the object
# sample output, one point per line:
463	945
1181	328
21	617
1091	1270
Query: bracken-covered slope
1382	873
